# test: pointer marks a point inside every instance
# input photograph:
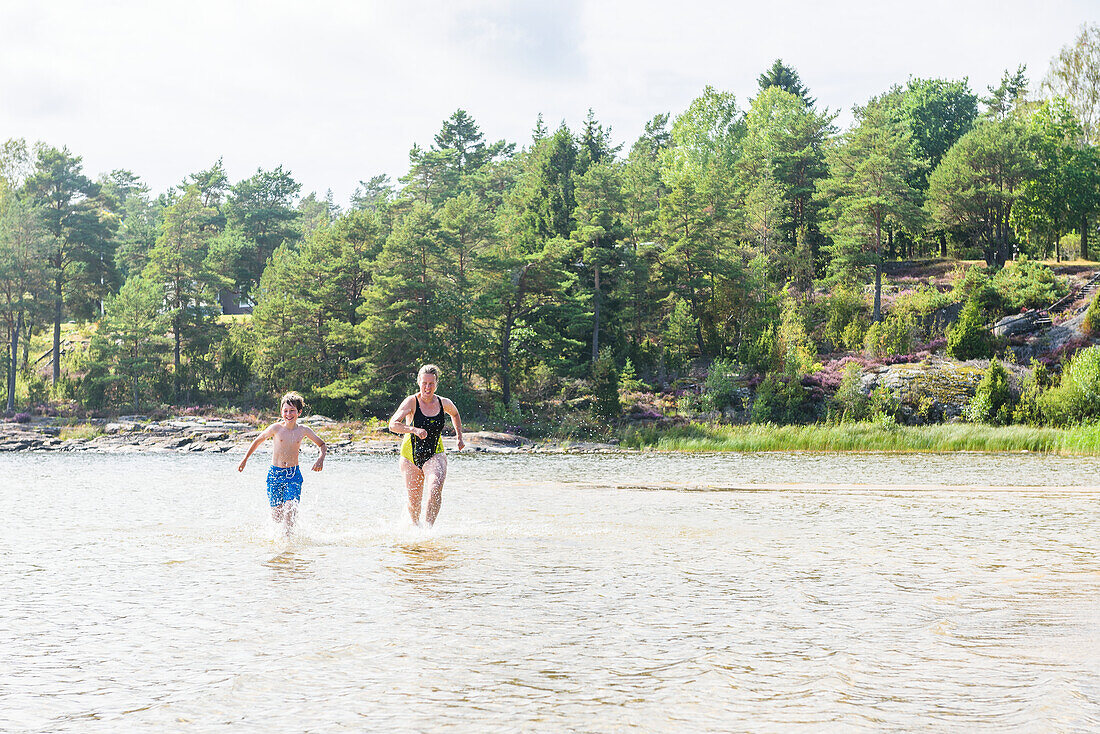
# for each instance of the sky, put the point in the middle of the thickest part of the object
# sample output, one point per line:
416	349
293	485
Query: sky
339	91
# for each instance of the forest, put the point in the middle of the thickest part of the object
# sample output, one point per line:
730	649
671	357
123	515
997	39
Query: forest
740	261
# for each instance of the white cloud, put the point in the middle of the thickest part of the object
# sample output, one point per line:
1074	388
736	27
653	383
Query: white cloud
339	91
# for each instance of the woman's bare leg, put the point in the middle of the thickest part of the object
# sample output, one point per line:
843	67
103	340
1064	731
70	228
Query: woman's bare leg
414	483
435	472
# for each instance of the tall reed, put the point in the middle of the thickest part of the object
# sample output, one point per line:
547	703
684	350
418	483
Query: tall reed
1080	440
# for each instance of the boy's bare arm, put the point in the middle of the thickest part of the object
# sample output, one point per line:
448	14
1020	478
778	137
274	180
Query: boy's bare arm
320	463
264	435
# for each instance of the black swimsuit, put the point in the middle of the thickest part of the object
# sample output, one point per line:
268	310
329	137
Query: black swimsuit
425	448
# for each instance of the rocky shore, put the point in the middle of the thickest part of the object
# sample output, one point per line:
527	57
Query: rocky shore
137	434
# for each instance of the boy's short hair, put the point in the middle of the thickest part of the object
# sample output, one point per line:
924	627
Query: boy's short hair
294	399
429	369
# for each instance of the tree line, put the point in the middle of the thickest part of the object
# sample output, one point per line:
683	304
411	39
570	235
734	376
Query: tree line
519	267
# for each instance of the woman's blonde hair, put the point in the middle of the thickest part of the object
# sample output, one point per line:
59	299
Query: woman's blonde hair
429	369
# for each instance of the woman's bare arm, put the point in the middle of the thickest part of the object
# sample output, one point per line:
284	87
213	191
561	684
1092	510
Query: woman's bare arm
397	422
456	420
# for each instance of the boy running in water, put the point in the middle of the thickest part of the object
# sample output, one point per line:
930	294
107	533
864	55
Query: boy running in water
284	478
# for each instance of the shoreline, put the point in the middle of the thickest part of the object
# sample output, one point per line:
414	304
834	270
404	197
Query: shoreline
217	435
224	436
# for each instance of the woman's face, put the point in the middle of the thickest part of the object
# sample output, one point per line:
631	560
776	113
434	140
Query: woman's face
427	384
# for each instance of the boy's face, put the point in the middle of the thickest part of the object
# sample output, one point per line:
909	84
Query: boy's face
290	412
427	384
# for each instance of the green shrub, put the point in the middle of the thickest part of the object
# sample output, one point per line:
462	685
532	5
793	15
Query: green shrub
1077	397
850	404
796	349
236	354
580	425
1027	408
628	378
541	381
760	354
505	416
1027	284
844	312
605	384
720	389
893	335
31	388
969	338
1070	245
854	333
883	407
923	300
923	303
689	404
1091	324
992	401
781	401
974	284
680	334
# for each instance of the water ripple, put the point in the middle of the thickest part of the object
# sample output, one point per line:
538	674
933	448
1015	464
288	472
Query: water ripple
557	593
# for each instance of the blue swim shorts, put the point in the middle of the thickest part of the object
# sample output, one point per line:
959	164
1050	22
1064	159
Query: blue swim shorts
284	484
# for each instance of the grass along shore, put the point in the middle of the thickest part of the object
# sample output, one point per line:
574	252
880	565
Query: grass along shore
849	437
1077	441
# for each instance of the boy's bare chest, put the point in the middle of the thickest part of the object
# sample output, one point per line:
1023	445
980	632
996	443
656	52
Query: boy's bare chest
288	436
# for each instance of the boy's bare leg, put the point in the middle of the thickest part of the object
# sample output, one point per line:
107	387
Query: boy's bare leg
435	471
290	513
414	483
277	514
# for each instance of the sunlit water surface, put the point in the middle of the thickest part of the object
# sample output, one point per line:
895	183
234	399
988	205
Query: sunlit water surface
557	593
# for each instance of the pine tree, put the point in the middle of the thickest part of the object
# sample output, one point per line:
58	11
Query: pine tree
868	190
80	259
178	263
130	340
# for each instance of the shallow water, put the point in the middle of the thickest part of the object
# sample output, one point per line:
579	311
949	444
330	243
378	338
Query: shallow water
652	592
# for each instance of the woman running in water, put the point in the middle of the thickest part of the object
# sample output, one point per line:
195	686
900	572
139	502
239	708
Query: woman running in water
422	461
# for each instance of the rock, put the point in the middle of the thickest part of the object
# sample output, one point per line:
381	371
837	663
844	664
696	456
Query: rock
121	427
316	419
495	439
931	391
1066	332
939	319
590	447
174	443
1021	323
182	423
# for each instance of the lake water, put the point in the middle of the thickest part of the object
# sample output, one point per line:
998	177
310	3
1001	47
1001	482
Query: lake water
666	593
